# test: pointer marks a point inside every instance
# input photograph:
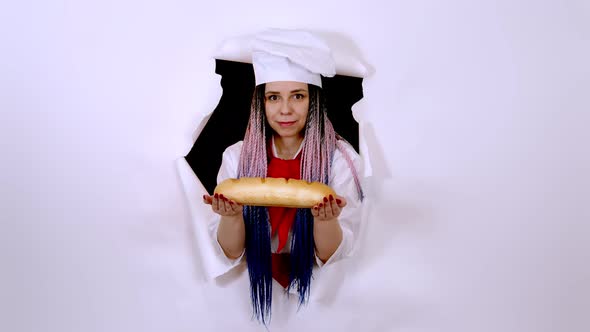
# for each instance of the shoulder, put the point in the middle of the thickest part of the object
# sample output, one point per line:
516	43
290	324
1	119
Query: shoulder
343	151
346	171
233	150
231	155
345	157
229	162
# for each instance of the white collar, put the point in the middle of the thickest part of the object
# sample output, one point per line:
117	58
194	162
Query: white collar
276	155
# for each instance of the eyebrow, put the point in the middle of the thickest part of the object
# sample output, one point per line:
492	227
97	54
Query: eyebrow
278	93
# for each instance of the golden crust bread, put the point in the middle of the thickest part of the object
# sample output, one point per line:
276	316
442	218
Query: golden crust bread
274	192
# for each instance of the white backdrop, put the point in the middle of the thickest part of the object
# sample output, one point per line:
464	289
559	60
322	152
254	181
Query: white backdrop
476	121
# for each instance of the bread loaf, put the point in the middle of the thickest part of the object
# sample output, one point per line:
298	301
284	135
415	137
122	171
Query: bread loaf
274	192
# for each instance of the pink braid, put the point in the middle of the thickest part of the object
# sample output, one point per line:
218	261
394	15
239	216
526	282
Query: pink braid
253	158
320	142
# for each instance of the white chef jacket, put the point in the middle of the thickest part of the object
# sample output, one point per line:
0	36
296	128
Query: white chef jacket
341	181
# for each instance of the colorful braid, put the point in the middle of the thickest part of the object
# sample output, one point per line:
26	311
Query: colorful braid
253	163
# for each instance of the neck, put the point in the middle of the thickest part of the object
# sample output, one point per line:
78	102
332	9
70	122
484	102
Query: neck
287	146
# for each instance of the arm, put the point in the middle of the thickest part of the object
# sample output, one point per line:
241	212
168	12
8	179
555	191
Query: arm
327	231
337	222
226	256
231	232
231	235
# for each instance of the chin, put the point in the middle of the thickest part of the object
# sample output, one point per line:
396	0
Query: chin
285	131
286	134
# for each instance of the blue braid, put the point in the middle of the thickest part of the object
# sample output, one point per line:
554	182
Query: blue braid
302	254
258	257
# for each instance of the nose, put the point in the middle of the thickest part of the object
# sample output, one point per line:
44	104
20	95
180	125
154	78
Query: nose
286	108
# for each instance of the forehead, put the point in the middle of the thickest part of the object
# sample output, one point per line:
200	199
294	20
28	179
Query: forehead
285	86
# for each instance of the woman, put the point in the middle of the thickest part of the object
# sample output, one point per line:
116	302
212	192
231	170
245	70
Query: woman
289	136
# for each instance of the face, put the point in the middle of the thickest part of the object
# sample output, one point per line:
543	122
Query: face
287	105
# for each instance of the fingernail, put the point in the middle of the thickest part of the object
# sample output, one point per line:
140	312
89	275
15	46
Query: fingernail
216	195
331	198
315	207
204	197
321	204
338	200
221	196
325	199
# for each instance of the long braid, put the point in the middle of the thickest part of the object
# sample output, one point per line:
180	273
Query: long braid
317	152
253	158
321	141
340	145
253	163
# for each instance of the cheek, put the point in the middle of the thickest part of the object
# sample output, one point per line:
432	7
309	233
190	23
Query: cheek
269	110
304	111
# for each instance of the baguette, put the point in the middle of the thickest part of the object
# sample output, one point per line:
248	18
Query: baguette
274	192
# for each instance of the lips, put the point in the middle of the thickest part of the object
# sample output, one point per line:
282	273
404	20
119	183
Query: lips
286	123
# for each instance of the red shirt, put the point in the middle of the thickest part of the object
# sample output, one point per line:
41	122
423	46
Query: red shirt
281	218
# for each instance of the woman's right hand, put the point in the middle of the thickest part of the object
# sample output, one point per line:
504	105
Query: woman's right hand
231	233
223	206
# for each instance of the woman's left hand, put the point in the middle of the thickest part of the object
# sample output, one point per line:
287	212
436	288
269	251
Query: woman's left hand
329	209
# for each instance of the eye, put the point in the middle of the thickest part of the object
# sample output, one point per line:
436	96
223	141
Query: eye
272	98
299	96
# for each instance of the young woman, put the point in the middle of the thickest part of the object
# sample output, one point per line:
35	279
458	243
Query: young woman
289	135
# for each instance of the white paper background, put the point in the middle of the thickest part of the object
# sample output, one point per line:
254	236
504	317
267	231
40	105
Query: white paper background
476	119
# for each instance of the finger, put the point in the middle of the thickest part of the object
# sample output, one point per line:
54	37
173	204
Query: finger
327	208
315	211
221	203
341	201
335	208
237	207
329	213
322	211
207	199
216	206
226	205
233	206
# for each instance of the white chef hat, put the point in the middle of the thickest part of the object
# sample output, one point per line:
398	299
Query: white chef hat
291	55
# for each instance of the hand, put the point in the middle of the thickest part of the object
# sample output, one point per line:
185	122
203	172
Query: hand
223	206
329	209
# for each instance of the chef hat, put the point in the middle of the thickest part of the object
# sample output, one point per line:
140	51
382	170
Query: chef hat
291	55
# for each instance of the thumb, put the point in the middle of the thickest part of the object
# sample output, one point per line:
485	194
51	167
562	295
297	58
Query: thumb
341	201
